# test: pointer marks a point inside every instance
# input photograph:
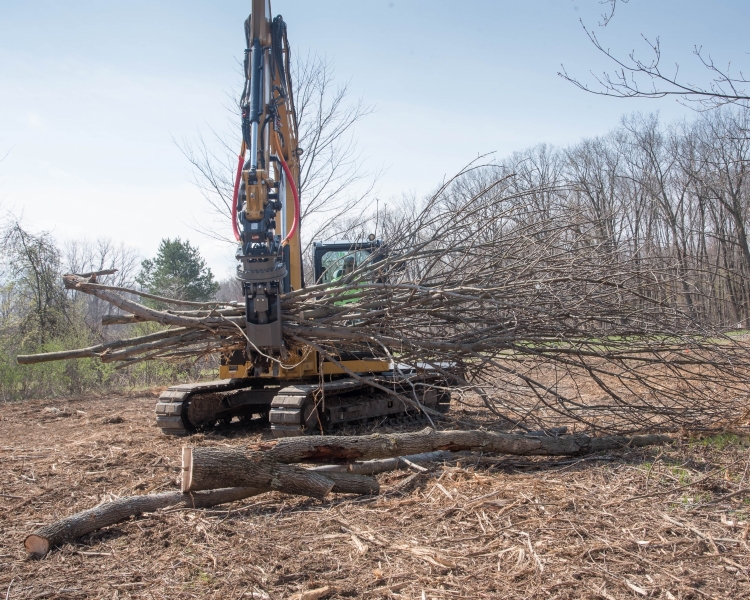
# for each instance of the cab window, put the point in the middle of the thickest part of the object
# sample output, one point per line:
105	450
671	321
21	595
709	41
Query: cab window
334	263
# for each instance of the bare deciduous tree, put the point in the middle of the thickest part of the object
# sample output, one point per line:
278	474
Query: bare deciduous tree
36	303
635	77
333	181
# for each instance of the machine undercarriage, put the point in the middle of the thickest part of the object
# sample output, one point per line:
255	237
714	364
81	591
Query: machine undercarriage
295	408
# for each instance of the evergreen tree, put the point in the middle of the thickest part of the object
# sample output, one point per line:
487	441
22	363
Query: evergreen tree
178	271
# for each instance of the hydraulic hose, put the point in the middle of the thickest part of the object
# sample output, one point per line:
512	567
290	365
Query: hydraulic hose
295	193
240	161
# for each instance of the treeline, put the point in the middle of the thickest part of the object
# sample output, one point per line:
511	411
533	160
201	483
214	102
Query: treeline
661	197
38	315
667	201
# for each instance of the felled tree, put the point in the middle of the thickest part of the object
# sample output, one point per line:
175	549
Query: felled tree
520	306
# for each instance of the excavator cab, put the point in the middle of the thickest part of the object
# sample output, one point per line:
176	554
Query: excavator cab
332	260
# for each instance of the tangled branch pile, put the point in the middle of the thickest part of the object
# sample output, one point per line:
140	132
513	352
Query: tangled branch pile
540	314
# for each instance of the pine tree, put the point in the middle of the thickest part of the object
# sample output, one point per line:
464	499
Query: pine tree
178	271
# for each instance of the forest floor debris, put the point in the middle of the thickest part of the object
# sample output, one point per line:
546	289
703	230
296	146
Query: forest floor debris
662	522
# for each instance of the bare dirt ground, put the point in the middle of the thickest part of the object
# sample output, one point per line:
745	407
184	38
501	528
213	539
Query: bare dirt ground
667	522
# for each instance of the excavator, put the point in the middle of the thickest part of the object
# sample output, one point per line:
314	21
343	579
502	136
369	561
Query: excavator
297	391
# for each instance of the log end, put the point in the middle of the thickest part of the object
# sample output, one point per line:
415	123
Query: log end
36	545
187	468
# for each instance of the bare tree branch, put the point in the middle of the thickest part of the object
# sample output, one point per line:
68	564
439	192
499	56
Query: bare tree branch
637	78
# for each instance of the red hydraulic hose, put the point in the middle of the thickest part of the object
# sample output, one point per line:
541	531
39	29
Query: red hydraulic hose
240	160
295	193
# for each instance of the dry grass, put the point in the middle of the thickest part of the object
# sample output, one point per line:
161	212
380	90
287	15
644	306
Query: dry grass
657	523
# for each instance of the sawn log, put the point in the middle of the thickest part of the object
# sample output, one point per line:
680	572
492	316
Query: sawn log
75	526
109	513
211	468
208	468
339	449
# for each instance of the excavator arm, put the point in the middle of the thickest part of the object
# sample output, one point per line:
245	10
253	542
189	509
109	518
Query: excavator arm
266	210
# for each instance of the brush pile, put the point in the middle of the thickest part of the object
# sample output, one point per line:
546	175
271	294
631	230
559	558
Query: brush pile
508	300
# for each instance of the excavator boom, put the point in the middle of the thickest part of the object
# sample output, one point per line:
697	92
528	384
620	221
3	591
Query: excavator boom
266	201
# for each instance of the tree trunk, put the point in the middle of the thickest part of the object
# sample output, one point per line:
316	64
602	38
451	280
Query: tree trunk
211	468
79	524
335	449
87	521
346	479
208	468
254	472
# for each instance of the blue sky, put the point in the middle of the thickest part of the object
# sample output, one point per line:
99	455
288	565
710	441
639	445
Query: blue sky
93	93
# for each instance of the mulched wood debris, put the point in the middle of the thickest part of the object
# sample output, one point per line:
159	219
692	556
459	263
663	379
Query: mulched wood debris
669	522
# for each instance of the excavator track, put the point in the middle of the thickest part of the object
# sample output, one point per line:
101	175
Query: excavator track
305	409
294	410
185	408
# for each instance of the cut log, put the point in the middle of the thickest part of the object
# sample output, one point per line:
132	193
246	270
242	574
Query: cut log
252	472
70	528
338	449
207	468
109	513
211	468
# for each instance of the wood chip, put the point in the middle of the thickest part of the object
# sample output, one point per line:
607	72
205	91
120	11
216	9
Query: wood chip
388	589
636	589
361	548
315	594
